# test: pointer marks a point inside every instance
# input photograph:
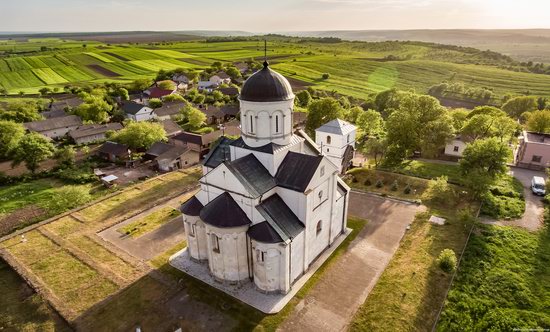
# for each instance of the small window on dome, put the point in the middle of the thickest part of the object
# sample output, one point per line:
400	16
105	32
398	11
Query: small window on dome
329	139
251	129
276	123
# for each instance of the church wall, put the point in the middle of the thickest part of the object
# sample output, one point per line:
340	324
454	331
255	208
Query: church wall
262	129
270	266
338	214
227	259
196	237
318	240
296	253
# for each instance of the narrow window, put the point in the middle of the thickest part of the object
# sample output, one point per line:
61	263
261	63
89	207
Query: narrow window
276	123
322	172
536	159
251	124
319	226
320	195
191	229
329	139
455	149
215	243
260	256
348	138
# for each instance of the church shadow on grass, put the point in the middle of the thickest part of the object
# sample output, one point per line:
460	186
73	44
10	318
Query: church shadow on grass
167	298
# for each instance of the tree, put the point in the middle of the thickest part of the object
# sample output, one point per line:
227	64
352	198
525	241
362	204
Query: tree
174	97
515	107
387	101
140	135
94	109
66	156
199	99
485	156
10	135
217	95
352	115
542	103
439	192
19	111
486	110
155	103
478	126
459	116
195	118
371	123
303	98
538	121
140	85
375	147
167	85
325	76
322	111
233	72
32	149
45	91
419	124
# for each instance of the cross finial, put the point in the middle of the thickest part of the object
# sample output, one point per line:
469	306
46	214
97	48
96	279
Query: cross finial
265	53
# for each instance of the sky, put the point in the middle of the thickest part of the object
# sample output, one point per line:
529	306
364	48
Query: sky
270	15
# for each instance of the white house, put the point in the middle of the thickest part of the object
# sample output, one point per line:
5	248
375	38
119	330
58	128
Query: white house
269	202
336	139
207	86
181	78
137	112
54	127
220	78
455	147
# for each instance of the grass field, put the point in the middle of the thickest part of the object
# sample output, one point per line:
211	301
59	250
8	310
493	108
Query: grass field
66	255
355	69
412	287
507	261
149	222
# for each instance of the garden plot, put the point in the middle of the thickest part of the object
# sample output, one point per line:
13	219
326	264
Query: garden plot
19	80
49	76
100	57
73	74
17	64
171	54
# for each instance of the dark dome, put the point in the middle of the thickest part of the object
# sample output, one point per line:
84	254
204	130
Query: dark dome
266	85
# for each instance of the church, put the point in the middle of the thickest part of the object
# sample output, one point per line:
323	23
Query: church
270	202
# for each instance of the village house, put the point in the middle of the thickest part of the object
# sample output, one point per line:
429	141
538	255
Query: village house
169	110
92	132
171	128
112	151
54	127
137	112
196	142
168	157
213	113
53	114
270	203
230	111
242	67
230	91
336	139
533	151
206	86
66	104
181	78
220	78
455	148
156	91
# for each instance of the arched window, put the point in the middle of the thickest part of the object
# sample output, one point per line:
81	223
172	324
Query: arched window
329	139
276	123
319	226
251	129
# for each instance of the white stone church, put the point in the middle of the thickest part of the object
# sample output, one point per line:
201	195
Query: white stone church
271	202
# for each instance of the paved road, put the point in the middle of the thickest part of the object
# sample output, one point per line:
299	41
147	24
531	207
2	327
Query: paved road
333	301
534	208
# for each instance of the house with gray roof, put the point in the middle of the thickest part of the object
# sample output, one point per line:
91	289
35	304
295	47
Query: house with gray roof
93	132
55	127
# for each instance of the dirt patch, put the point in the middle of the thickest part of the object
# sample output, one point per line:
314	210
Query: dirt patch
126	175
297	84
103	71
20	217
120	57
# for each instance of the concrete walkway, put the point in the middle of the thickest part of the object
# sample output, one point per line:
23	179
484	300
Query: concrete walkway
333	301
153	243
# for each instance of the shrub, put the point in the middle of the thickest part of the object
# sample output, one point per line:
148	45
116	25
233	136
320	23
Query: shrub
368	182
68	197
447	260
407	189
379	183
354	179
439	192
394	186
326	76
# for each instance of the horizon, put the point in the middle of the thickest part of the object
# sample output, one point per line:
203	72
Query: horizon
59	16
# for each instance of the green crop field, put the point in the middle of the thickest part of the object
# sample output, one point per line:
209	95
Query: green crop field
355	68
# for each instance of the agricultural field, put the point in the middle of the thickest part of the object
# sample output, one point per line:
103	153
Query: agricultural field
356	69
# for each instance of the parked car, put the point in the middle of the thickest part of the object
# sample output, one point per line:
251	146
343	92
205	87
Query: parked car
538	186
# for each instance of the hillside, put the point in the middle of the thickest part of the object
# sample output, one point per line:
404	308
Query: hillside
355	68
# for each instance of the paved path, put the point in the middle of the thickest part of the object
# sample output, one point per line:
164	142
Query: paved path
153	243
534	208
333	301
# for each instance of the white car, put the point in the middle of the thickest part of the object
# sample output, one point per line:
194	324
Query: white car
538	186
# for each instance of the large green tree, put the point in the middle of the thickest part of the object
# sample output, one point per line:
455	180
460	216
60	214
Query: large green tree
195	118
140	135
371	123
10	135
420	123
487	156
94	109
538	121
388	101
322	111
515	107
21	111
32	149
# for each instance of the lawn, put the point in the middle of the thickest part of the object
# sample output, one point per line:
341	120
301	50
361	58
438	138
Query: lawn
503	283
505	199
149	222
387	183
429	170
412	288
22	309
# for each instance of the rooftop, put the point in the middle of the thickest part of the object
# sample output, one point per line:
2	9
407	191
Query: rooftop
338	127
224	212
54	123
251	174
296	171
266	85
94	129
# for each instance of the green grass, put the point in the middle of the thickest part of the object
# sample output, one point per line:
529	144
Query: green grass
505	199
366	179
49	76
23	310
503	282
149	222
412	287
429	170
18	196
98	56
